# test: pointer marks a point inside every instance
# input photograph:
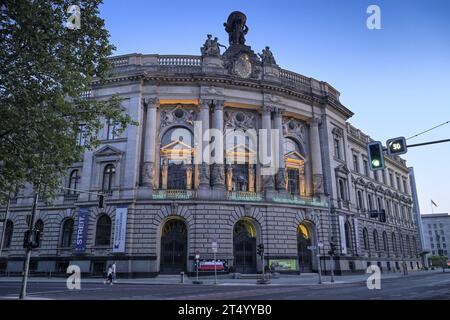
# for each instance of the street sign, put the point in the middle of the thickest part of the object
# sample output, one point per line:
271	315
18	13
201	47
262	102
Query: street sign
312	248
215	246
396	146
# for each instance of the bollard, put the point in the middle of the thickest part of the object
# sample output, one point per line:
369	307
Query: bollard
182	276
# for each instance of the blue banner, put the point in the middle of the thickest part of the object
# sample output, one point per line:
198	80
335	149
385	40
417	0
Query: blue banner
82	226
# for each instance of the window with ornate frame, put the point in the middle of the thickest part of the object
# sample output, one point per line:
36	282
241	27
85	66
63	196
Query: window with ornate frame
103	231
294	160
177	160
74	180
109	177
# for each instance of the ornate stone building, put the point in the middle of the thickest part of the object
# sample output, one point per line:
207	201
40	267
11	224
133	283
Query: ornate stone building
166	203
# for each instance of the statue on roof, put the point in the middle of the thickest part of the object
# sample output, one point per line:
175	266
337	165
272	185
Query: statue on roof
236	28
267	56
211	47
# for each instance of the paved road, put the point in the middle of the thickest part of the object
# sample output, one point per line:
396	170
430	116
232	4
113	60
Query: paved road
426	286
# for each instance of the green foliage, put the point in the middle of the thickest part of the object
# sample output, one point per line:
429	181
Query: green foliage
438	261
45	68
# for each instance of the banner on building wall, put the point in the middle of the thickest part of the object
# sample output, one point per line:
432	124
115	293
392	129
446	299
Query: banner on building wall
82	226
355	222
342	234
120	229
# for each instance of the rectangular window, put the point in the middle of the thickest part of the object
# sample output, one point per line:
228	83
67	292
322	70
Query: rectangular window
355	163
80	135
405	186
391	179
112	127
398	183
383	176
375	175
366	168
337	149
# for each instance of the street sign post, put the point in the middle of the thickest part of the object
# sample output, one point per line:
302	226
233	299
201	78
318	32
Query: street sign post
215	247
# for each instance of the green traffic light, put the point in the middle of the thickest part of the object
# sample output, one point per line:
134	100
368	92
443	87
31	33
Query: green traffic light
376	163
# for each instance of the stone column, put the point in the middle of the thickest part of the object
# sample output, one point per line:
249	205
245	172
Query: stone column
204	167
268	180
278	125
218	172
316	158
150	143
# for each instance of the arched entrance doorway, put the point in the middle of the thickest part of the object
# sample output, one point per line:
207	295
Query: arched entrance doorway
173	246
244	246
304	240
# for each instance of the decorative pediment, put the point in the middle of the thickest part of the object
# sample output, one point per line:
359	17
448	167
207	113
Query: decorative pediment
342	169
241	154
360	181
337	132
177	150
107	151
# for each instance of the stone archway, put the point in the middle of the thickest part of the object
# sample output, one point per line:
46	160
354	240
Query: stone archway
174	246
244	246
304	240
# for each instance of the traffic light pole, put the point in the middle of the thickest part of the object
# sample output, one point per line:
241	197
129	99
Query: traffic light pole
427	143
26	264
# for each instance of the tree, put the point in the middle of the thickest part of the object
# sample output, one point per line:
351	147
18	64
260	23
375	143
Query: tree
45	68
438	261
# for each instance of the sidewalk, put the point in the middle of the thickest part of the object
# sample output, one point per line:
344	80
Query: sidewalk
283	280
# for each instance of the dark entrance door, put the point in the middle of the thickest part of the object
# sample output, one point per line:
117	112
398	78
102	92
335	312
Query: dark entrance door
244	250
173	247
304	255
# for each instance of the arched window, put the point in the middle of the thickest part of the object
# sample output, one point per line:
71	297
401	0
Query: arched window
348	236
74	180
366	240
39	225
394	243
9	229
67	233
380	203
294	158
360	200
385	242
375	240
103	231
177	171
109	176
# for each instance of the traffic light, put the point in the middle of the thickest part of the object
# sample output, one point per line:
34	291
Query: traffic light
332	249
376	158
32	239
101	201
396	146
382	215
260	250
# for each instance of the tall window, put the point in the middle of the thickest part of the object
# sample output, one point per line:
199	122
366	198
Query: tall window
380	203
375	240
366	168
109	176
375	176
337	149
399	186
111	129
74	180
177	171
383	176
394	243
366	239
348	236
67	233
9	229
405	186
342	193
355	163
294	163
39	225
414	245
103	231
370	203
385	242
360	200
391	179
80	134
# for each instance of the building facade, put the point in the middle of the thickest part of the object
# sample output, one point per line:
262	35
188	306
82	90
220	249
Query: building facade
166	202
436	228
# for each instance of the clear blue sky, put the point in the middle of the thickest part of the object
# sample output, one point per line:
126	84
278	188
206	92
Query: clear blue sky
396	80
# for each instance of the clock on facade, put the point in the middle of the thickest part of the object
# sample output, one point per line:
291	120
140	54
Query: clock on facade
243	66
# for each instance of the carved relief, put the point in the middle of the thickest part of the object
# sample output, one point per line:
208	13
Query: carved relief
294	127
281	179
177	115
318	184
240	120
218	174
147	174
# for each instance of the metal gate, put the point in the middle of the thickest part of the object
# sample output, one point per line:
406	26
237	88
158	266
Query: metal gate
173	247
304	254
244	250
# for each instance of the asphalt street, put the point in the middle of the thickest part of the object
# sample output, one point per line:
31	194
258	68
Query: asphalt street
426	286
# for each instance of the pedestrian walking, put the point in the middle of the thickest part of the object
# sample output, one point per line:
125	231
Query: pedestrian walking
114	275
109	275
